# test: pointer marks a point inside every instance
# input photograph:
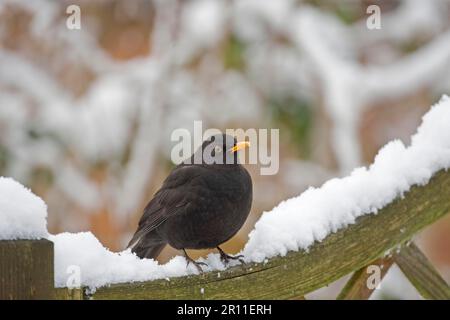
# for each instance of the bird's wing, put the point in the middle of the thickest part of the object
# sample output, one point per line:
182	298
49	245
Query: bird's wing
173	197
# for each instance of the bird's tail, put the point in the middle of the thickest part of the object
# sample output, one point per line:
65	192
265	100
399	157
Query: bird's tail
146	245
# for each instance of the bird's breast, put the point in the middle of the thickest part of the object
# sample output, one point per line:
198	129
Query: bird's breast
220	209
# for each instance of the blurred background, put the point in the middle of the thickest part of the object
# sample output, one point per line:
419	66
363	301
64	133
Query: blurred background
86	115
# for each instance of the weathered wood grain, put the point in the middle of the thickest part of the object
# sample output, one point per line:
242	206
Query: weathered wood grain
69	294
26	269
421	273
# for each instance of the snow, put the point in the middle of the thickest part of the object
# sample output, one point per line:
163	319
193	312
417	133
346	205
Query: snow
299	222
99	266
23	215
203	21
350	87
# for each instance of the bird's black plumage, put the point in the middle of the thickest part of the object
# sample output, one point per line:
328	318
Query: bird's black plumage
199	206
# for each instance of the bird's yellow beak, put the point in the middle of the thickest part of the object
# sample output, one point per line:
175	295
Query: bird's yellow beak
239	146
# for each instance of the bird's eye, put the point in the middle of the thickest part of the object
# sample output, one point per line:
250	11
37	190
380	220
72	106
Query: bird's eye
217	149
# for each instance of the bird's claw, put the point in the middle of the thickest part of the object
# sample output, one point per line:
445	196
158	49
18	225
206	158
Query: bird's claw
195	263
226	258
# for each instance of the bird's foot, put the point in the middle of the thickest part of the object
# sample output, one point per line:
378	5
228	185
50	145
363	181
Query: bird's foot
226	258
195	263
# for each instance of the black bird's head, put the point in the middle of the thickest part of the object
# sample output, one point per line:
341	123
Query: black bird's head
220	149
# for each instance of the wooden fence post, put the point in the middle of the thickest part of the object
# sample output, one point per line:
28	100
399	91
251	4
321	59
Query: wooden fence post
26	269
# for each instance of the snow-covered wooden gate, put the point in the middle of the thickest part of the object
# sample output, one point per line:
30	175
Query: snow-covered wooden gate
27	270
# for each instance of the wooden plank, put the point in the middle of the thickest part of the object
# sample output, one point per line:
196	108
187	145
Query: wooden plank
68	294
421	273
26	269
299	273
356	287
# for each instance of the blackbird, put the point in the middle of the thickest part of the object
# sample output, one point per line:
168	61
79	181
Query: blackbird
200	205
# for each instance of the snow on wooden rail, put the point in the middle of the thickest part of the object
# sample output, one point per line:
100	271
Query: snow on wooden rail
26	265
302	244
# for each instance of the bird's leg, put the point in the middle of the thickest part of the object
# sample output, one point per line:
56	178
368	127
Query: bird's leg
226	258
195	263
